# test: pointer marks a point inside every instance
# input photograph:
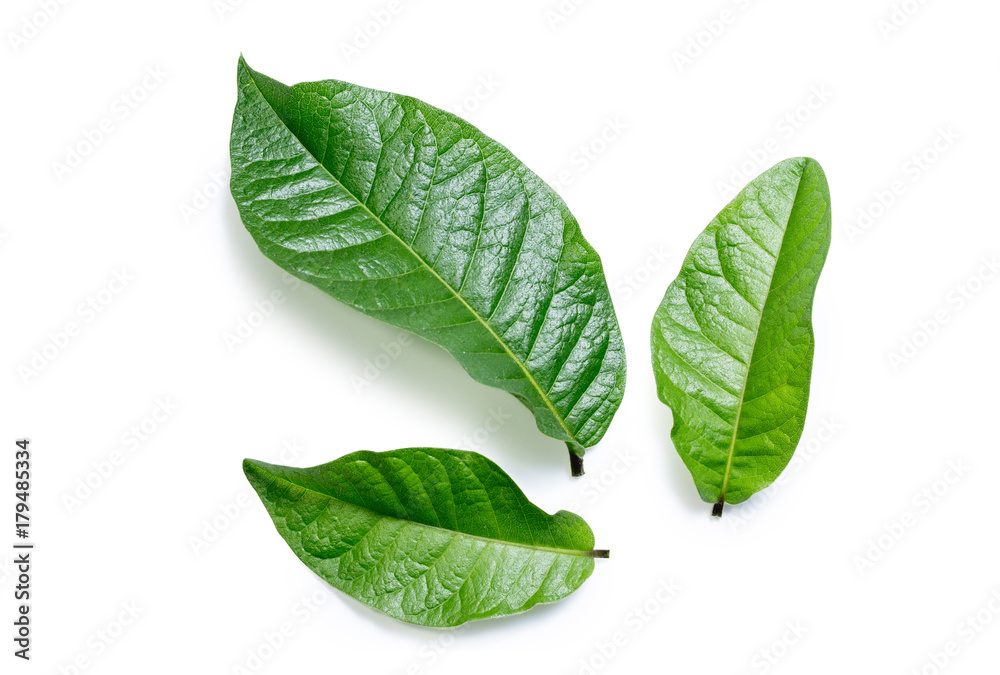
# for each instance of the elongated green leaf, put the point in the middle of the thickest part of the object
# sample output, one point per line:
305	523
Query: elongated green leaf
429	536
413	216
732	340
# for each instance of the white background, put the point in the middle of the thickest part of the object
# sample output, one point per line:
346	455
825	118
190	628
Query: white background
146	200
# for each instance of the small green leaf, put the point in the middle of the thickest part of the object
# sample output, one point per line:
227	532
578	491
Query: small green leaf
415	217
732	340
428	536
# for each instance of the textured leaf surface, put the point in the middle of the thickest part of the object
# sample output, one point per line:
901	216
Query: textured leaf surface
429	536
411	215
732	340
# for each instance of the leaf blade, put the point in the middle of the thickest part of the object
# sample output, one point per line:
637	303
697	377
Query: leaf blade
732	340
429	536
412	216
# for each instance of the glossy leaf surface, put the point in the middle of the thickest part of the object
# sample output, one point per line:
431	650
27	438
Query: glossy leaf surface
415	217
732	340
428	536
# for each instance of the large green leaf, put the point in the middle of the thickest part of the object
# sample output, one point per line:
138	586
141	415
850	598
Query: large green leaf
429	536
413	216
732	340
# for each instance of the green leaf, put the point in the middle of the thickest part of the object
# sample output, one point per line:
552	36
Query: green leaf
415	217
732	340
428	536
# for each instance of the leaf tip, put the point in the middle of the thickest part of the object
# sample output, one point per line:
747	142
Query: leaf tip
254	471
243	67
805	165
801	160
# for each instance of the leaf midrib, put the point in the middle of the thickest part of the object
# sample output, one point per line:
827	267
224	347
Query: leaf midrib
524	369
533	547
750	361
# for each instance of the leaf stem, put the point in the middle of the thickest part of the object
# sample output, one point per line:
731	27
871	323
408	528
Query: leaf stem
717	507
600	553
575	461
